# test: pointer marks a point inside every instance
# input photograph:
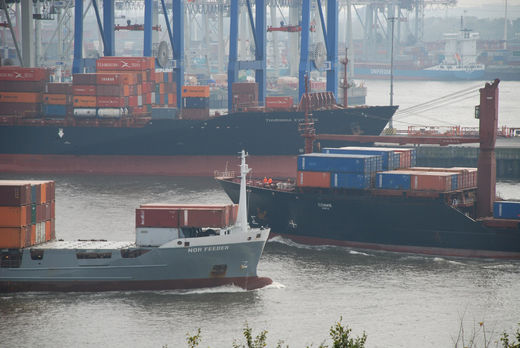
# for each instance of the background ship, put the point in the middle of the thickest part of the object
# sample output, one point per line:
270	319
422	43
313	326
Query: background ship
337	200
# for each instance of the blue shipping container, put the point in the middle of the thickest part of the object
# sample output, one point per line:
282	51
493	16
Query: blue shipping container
54	110
455	181
387	155
393	181
350	180
321	162
506	210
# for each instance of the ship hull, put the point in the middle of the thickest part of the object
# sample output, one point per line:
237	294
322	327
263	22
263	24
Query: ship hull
378	72
202	143
184	264
393	223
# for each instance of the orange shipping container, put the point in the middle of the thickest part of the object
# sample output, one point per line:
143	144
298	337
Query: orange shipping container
33	234
20	97
195	91
431	181
13	237
84	101
48	230
313	179
57	99
15	216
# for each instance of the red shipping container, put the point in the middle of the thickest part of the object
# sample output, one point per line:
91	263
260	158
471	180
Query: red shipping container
15	216
202	217
147	98
278	102
21	86
313	179
125	63
53	231
47	231
16	73
135	100
157	218
53	210
24	109
59	88
20	97
159	76
113	91
13	237
14	193
110	79
431	181
88	90
112	102
33	234
194	114
84	79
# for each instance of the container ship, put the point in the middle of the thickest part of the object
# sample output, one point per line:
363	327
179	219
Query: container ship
176	247
375	198
122	120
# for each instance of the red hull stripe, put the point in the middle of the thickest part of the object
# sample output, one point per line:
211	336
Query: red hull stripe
272	166
405	248
248	283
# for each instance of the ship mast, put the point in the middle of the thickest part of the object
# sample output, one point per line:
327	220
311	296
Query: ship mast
242	202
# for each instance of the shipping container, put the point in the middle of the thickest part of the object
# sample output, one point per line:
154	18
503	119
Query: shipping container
81	101
15	216
195	103
125	63
506	210
203	217
23	109
59	88
21	86
85	112
13	237
241	88
111	102
14	193
278	102
111	79
16	73
113	91
56	110
195	91
20	97
160	217
57	99
84	79
182	217
87	90
195	114
111	112
348	163
313	179
393	181
430	181
390	160
351	180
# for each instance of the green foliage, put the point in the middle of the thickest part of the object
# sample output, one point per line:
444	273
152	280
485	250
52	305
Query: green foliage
341	337
511	344
193	341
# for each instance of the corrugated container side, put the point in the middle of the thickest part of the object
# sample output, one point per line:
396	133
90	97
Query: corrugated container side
21	97
393	181
157	217
350	180
431	181
14	194
278	102
21	86
387	155
14	216
506	210
87	90
84	79
84	101
313	179
321	162
59	88
55	110
16	73
13	237
203	217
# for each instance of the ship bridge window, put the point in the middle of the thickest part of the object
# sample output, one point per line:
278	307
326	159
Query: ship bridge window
93	255
36	254
10	259
133	253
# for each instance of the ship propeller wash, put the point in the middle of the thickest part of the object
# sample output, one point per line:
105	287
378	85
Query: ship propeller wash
176	247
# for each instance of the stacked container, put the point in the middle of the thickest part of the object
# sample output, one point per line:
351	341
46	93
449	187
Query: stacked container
336	170
195	102
279	103
84	92
21	90
27	211
157	224
417	180
134	78
165	89
466	177
390	158
57	102
245	94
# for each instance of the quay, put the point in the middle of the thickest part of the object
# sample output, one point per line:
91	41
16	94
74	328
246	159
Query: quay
507	156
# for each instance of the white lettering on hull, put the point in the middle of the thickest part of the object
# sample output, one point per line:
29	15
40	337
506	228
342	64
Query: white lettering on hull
208	249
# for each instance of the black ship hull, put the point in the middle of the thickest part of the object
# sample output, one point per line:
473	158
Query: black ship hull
362	220
262	134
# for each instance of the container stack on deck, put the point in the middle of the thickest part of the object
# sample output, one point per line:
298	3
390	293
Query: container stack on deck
245	94
158	223
21	91
27	210
57	102
394	170
164	99
195	102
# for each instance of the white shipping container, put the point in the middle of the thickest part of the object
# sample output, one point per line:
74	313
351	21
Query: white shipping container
110	112
85	112
155	236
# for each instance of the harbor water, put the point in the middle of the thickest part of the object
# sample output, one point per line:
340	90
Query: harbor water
399	300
